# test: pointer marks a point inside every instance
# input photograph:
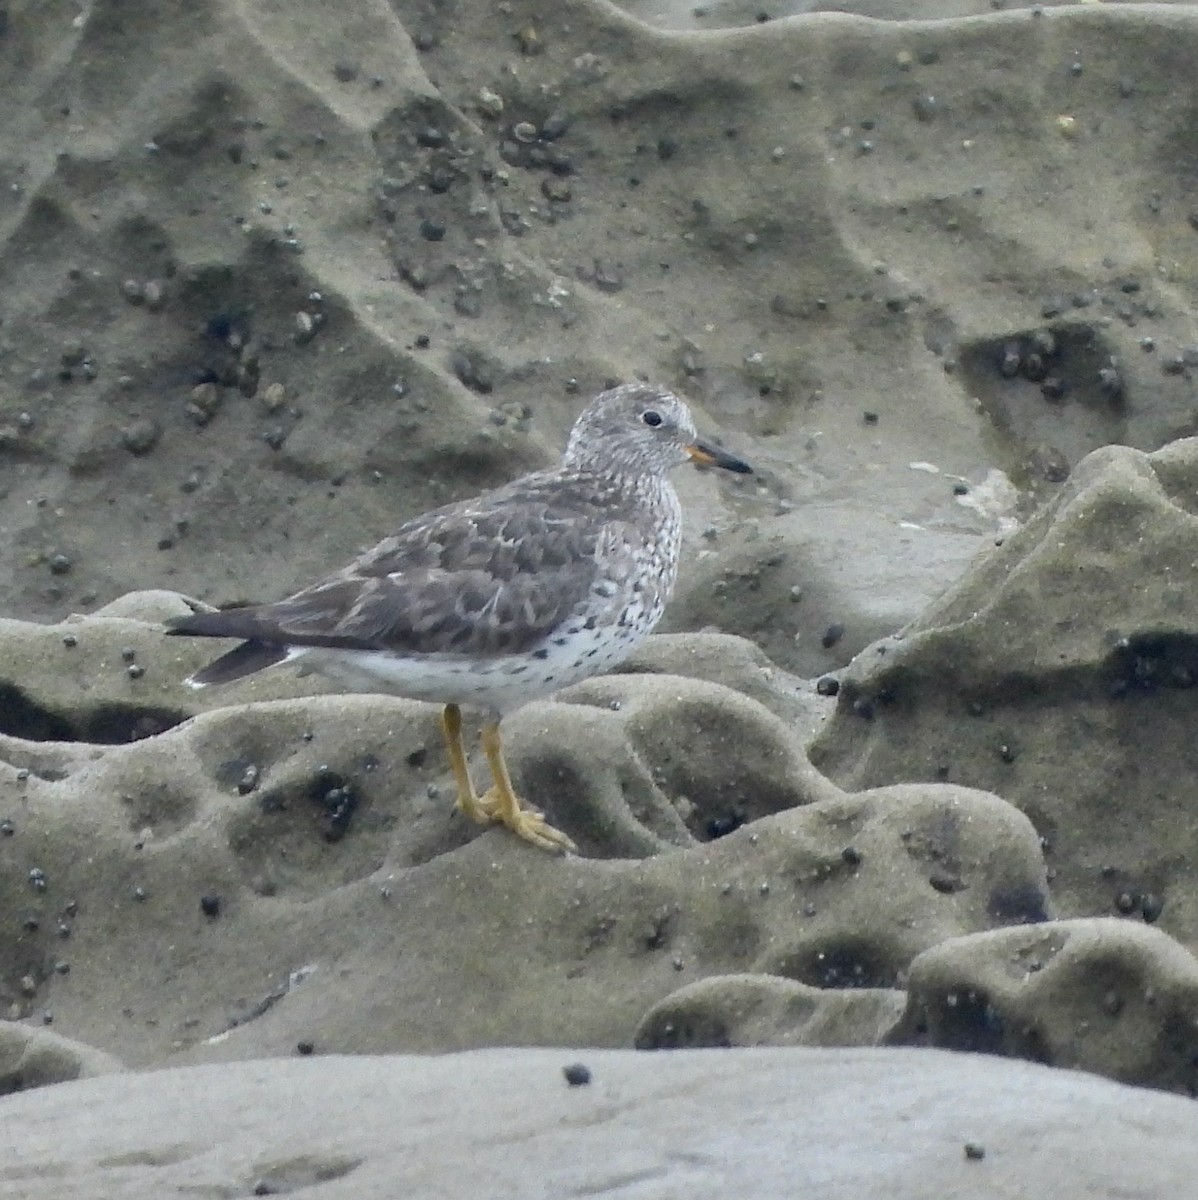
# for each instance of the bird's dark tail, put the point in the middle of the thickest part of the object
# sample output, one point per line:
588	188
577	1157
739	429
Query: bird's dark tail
243	660
251	656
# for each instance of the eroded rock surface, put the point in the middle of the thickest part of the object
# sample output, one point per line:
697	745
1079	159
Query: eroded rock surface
1101	995
1059	673
301	867
768	1010
832	1124
32	1058
273	278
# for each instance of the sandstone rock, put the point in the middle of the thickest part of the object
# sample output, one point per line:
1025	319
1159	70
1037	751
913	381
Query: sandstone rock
826	1124
1100	995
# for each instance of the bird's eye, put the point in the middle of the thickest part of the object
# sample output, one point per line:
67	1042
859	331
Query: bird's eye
651	417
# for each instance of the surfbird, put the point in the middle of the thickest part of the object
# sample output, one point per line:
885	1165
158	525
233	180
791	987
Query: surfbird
492	602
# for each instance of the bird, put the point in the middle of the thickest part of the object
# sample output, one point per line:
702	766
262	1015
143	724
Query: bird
491	602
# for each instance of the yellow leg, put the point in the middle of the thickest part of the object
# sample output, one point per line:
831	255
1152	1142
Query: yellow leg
501	804
468	799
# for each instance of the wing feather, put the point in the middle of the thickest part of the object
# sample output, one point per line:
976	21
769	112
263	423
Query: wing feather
475	578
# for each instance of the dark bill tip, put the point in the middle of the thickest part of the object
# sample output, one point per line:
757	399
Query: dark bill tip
708	455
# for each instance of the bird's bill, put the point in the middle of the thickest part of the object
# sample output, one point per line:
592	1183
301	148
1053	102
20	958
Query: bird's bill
707	455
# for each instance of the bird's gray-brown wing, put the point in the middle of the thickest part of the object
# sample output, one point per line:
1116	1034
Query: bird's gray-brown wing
479	578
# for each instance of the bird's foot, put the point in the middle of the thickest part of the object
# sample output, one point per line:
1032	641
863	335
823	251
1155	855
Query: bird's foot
526	823
480	809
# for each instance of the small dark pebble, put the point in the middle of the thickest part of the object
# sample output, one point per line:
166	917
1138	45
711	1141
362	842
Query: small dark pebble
473	371
1126	902
832	635
440	180
1053	388
70	641
1151	907
577	1074
7	828
554	125
141	436
870	418
210	905
960	489
944	883
851	855
974	1151
305	1047
59	564
828	685
864	709
135	670
340	805
1033	366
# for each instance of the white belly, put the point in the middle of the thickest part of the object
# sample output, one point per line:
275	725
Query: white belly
498	685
